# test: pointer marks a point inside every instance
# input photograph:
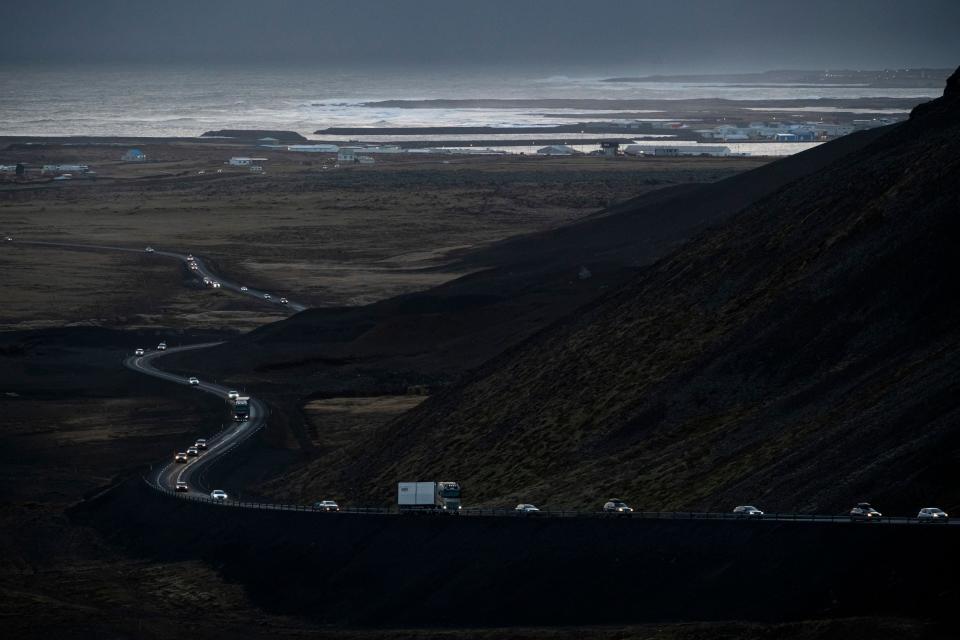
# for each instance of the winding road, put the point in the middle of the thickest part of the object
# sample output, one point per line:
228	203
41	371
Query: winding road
201	272
194	472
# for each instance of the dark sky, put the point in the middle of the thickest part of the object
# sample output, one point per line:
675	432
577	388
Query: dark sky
552	35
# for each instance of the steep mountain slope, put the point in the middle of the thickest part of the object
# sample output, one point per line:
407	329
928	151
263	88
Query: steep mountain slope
803	355
521	286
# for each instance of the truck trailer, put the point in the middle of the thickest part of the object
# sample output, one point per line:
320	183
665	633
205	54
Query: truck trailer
241	409
428	496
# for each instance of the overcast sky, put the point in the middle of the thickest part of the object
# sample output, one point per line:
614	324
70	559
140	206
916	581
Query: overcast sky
606	36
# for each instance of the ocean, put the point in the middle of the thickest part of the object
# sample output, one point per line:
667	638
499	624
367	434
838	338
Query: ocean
188	101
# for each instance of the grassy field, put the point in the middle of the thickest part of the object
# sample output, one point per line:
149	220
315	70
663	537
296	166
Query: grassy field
327	236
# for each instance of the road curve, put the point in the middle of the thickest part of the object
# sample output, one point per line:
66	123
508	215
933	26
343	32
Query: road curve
194	471
201	272
219	444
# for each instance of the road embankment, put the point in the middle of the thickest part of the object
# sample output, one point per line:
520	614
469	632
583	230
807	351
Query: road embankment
352	569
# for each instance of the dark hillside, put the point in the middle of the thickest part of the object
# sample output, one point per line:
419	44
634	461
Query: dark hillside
522	286
640	230
801	356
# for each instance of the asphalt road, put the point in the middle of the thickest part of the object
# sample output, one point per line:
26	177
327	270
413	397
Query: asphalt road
202	269
194	472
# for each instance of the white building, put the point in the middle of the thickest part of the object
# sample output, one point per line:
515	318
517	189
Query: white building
383	148
314	148
365	159
688	150
245	162
65	168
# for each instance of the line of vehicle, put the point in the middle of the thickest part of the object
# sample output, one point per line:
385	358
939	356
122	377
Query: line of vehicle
168	475
202	270
227	439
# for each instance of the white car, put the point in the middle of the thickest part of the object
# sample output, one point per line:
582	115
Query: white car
266	296
190	257
193	452
138	352
244	288
201	443
284	301
218	495
194	381
215	284
149	249
162	346
233	394
326	505
933	514
747	511
193	266
9	239
526	508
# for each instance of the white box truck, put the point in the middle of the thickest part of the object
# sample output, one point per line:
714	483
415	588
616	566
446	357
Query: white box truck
428	496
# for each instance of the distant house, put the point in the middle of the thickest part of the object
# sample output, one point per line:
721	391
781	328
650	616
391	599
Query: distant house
243	161
314	148
65	168
557	150
134	155
347	154
382	148
609	148
690	150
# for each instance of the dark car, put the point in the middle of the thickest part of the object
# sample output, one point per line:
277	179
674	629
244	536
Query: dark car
863	511
182	486
616	505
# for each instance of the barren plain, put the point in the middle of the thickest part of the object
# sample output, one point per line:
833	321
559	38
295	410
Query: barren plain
325	235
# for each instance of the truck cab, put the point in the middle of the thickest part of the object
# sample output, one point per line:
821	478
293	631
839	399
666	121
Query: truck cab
241	409
448	496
